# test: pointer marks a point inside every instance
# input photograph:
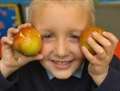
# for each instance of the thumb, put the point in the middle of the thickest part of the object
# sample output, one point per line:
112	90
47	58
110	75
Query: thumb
23	60
38	57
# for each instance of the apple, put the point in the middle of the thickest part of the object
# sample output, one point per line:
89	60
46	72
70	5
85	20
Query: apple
28	41
86	34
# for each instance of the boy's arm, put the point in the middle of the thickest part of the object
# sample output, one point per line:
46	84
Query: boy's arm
112	81
99	64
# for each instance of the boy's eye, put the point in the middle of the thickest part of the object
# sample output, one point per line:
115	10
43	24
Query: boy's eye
47	35
74	38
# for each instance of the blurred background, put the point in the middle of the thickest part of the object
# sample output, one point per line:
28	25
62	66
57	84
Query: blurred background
14	12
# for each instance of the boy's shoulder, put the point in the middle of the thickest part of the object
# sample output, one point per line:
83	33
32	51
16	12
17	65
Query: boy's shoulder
115	63
32	68
32	65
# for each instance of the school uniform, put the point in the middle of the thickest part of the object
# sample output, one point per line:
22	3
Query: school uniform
33	77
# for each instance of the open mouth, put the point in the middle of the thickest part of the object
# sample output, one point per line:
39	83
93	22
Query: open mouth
61	64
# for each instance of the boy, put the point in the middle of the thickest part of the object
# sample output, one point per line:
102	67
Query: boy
63	64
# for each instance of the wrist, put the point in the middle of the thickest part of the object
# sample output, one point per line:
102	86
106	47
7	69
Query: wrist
98	79
6	70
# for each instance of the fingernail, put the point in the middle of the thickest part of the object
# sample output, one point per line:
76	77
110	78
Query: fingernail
17	30
89	39
94	33
104	33
40	56
10	42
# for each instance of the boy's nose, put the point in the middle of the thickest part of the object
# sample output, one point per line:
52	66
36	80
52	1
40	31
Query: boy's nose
61	49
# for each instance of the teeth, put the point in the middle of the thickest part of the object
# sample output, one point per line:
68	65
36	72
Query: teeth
62	62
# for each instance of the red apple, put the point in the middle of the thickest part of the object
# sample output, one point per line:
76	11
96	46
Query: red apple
28	41
85	34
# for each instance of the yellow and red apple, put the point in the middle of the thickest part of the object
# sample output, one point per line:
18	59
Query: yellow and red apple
86	34
28	41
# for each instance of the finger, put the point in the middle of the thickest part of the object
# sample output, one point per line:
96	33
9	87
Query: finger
5	40
92	59
24	25
96	47
39	57
24	60
5	45
11	32
111	37
103	41
6	49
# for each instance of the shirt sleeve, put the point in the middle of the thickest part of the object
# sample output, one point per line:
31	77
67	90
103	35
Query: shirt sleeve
7	83
112	81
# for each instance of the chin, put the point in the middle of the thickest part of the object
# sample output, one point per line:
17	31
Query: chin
62	75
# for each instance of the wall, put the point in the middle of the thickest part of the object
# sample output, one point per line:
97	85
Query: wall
22	2
108	16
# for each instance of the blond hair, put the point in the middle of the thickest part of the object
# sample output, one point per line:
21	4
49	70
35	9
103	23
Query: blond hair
89	4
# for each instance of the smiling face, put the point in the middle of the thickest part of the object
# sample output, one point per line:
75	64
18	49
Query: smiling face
61	28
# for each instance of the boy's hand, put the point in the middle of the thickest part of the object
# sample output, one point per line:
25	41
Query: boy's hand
104	46
12	60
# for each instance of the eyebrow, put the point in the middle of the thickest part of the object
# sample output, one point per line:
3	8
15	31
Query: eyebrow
76	31
46	30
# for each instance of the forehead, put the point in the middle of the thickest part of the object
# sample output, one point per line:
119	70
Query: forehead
57	15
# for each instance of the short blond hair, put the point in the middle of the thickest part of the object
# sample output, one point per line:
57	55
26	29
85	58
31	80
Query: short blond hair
42	3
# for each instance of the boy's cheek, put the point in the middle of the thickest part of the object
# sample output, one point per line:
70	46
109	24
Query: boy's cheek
77	51
46	49
73	50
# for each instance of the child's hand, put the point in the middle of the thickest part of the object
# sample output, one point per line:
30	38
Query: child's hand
104	46
12	60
